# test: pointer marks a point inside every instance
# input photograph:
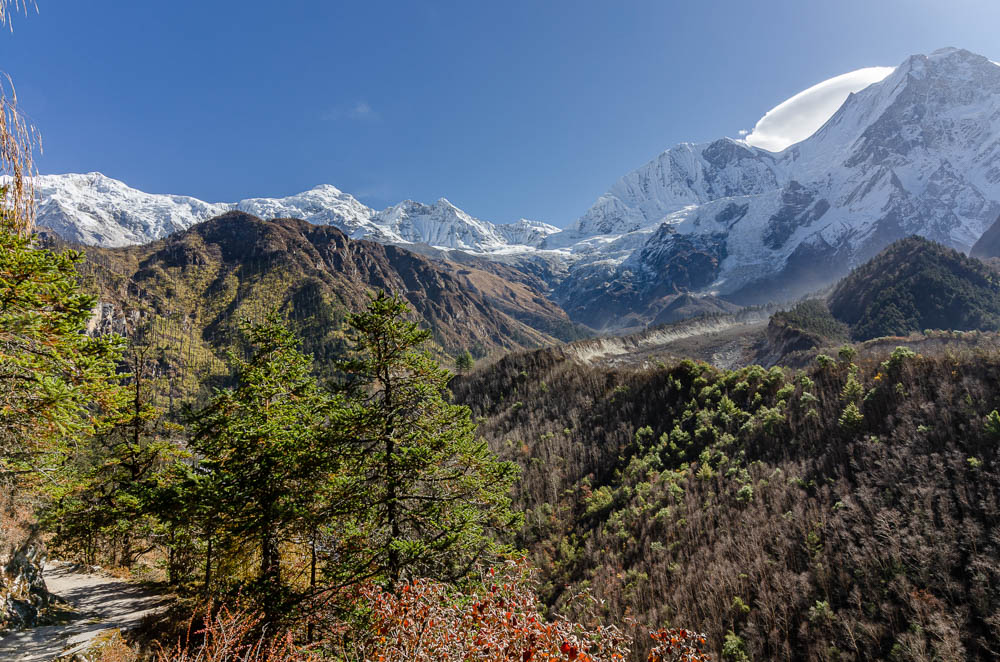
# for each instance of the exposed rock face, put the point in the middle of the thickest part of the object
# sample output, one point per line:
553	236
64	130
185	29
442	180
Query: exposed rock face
681	262
799	208
107	318
23	596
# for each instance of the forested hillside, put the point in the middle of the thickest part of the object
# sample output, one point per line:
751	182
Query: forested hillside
840	510
916	284
197	284
844	511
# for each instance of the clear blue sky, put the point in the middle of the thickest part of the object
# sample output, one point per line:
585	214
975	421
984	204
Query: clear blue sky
509	109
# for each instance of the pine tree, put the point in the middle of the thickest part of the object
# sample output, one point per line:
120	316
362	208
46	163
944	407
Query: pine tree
106	501
433	496
53	376
464	362
261	459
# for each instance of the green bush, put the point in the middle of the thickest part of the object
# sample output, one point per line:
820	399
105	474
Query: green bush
733	648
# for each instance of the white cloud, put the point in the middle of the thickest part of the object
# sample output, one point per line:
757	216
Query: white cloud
799	117
359	110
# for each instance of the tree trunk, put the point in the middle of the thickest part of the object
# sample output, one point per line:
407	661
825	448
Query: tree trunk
392	518
312	581
208	563
171	557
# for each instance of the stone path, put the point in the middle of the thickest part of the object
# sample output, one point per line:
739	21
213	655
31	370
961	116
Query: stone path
101	603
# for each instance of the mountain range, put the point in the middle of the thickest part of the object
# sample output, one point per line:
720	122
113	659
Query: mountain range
916	153
97	210
191	288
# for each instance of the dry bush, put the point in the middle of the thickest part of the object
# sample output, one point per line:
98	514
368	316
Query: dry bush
427	621
16	517
18	140
115	649
10	7
236	635
228	635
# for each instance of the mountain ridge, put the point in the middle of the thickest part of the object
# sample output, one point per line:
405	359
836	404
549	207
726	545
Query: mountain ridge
201	281
916	153
95	209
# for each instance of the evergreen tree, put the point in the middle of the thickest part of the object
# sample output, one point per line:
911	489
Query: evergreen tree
53	376
433	495
106	504
464	362
261	459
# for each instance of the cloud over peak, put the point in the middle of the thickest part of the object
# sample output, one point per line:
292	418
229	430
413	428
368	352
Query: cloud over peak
800	116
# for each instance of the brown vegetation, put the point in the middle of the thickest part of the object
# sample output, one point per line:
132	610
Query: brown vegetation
18	141
496	618
842	512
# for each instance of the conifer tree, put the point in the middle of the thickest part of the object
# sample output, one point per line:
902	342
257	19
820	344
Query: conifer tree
259	443
106	502
432	497
53	376
464	362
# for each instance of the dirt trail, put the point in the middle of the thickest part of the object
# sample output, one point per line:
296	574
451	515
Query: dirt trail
102	604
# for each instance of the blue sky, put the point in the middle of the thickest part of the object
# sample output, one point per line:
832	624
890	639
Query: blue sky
509	109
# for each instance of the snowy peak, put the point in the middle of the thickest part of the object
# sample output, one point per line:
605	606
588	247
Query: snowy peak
929	100
526	232
441	224
95	209
685	175
321	205
948	101
917	152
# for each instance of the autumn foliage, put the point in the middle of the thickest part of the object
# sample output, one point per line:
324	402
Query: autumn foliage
236	635
428	620
500	621
494	620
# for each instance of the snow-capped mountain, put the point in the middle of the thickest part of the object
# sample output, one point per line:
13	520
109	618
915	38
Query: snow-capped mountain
526	232
98	210
322	205
916	153
685	176
441	224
